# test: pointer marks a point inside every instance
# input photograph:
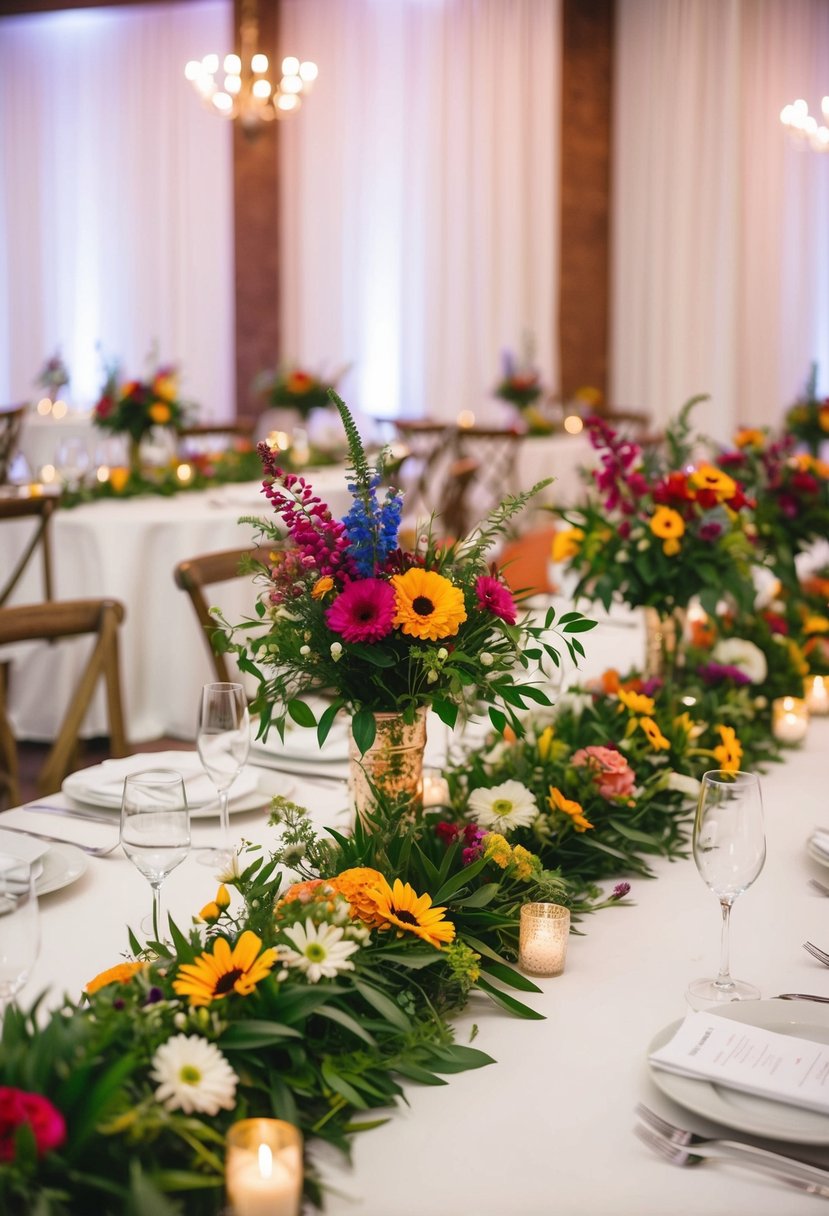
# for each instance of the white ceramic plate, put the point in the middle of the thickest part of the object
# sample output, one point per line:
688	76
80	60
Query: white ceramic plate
746	1112
62	864
816	853
301	743
102	784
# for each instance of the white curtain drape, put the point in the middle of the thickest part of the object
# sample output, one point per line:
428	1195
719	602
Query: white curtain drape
419	191
720	229
115	200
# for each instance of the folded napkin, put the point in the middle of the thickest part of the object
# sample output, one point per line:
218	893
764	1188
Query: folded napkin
15	849
779	1067
103	784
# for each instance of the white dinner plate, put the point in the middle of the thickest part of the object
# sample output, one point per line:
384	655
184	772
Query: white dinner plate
816	852
62	864
746	1112
301	743
102	784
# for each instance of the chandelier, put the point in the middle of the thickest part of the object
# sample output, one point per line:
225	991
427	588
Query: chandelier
805	126
239	86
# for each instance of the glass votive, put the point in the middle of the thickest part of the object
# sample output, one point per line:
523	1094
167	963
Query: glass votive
263	1168
789	719
816	692
542	941
435	788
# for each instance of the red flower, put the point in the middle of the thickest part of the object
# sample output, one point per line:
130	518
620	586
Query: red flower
448	832
104	407
18	1107
674	488
494	597
363	611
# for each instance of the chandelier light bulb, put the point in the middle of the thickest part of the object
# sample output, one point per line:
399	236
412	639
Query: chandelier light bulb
259	63
309	71
262	89
291	84
290	65
223	102
232	65
192	70
233	84
824	105
286	102
210	63
804	126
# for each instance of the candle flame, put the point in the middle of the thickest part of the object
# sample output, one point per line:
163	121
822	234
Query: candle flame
265	1161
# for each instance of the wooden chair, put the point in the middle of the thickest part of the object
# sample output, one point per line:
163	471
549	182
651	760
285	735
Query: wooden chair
214	437
11	425
41	510
48	622
454	510
430	450
197	573
496	452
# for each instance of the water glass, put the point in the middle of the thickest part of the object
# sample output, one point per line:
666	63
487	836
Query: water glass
155	830
19	927
223	741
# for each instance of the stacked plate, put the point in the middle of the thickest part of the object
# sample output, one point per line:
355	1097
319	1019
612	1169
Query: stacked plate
817	846
54	865
300	752
103	784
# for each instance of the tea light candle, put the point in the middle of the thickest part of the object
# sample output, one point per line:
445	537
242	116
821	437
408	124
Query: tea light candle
435	789
263	1168
542	941
184	473
466	419
817	694
789	719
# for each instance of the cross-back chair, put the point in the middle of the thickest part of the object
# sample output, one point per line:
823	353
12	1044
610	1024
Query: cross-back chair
424	469
11	425
201	437
98	619
195	574
496	451
39	509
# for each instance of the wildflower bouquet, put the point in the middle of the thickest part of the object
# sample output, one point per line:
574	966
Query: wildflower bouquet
663	530
133	408
808	418
53	375
520	382
761	651
297	389
813	611
346	612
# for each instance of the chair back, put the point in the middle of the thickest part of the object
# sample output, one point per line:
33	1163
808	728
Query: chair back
424	468
49	622
195	574
40	510
11	425
454	509
213	437
496	451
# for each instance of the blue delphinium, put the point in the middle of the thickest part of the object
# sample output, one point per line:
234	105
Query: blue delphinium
372	526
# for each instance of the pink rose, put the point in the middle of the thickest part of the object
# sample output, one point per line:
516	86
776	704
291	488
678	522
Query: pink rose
47	1123
612	774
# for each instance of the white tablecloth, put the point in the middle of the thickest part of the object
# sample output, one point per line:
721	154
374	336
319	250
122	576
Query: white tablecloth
128	550
558	456
42	437
549	1127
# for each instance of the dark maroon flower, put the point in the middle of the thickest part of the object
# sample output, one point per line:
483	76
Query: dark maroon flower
710	531
448	832
17	1106
719	673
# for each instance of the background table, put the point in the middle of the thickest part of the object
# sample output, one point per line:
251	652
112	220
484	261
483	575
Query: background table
559	456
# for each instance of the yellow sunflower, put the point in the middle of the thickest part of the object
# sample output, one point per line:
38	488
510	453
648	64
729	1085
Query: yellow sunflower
566	543
654	735
557	802
213	975
730	752
358	885
709	477
428	605
401	908
121	973
666	523
636	702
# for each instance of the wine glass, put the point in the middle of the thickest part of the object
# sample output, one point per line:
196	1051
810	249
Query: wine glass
155	830
19	927
72	462
223	740
729	849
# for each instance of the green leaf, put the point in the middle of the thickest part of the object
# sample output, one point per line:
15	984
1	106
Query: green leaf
454	1057
461	879
581	626
447	711
480	898
508	975
301	713
386	1007
498	719
327	721
415	1072
340	1086
256	1032
364	730
509	1002
346	1021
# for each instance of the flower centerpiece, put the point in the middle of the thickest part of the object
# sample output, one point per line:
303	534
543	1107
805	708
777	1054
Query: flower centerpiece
808	419
521	386
297	389
53	375
662	530
386	633
134	407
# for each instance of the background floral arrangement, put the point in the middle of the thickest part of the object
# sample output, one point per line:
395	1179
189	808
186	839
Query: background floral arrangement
134	407
520	382
660	532
297	389
54	374
345	610
808	418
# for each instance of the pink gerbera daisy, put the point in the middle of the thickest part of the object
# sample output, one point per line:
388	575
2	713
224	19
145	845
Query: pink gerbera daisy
363	611
494	597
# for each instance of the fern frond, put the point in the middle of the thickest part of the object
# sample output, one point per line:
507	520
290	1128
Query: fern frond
357	460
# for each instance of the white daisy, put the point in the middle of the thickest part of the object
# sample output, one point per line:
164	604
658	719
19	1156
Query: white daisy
231	870
683	784
194	1076
320	950
503	807
744	655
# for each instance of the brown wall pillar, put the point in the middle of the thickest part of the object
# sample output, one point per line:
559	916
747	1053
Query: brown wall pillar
584	314
256	234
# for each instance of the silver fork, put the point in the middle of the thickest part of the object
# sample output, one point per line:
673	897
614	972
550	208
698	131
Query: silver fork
681	1137
816	952
91	849
679	1155
819	886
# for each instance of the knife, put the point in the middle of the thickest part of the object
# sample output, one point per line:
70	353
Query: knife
45	808
801	996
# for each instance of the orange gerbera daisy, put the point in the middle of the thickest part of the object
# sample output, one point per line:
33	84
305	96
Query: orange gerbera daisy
654	735
359	886
667	524
636	702
427	605
750	437
730	751
557	802
709	477
400	907
121	973
160	412
224	970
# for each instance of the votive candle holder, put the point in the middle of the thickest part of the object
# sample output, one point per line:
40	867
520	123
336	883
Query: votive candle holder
816	693
543	936
263	1168
789	719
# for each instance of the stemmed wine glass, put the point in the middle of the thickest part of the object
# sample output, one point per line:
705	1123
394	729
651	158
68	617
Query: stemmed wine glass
223	740
155	830
729	849
19	927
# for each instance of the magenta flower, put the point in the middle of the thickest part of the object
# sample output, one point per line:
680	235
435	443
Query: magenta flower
46	1122
363	611
494	597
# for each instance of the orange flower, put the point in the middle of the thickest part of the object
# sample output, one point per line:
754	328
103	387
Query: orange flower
567	543
359	886
557	802
160	413
823	417
321	587
730	752
750	437
610	681
121	973
667	523
709	477
702	633
654	735
299	382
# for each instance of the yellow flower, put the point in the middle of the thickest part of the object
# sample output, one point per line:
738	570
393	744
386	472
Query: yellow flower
684	722
496	849
709	477
636	702
567	543
671	546
121	973
655	737
815	624
210	912
358	885
797	658
557	802
213	975
118	478
400	907
750	437
823	417
159	412
730	752
223	896
667	523
166	387
428	605
545	742
524	863
322	586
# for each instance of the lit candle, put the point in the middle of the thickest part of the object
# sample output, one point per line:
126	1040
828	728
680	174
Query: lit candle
573	425
817	694
542	941
466	419
789	719
263	1168
184	473
435	788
